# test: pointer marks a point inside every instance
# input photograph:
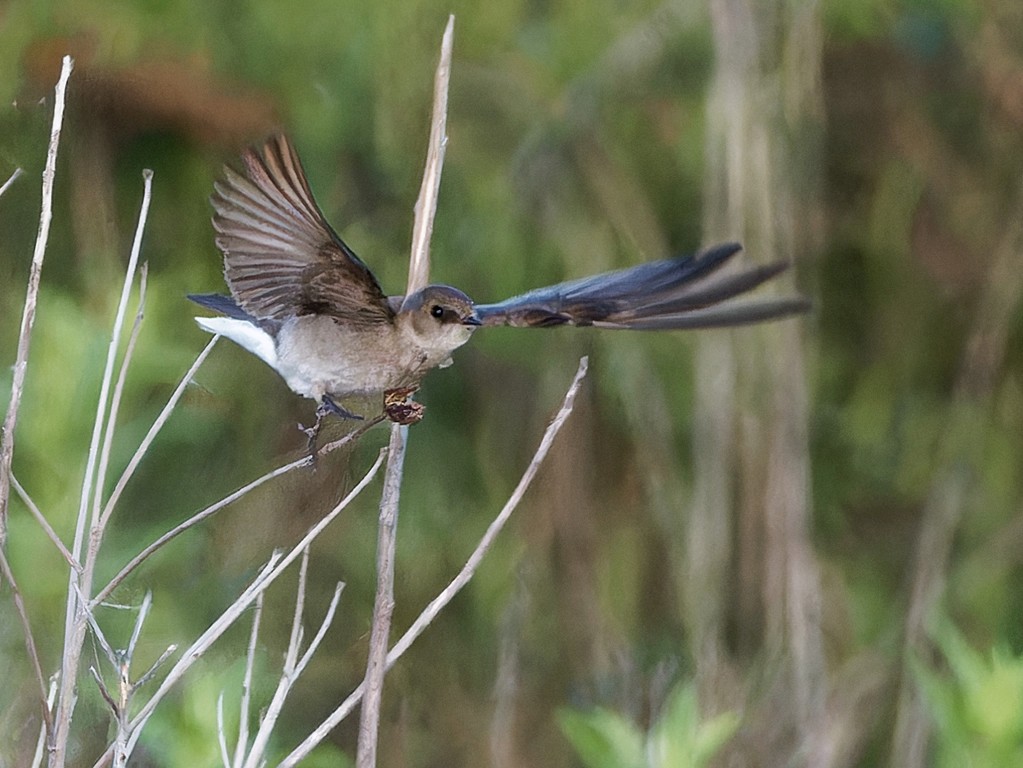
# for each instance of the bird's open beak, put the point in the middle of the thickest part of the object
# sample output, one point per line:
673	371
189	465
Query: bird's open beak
472	319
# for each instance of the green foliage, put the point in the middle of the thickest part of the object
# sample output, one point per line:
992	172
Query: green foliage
678	739
577	142
977	703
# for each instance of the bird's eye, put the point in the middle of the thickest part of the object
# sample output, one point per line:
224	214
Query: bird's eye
437	311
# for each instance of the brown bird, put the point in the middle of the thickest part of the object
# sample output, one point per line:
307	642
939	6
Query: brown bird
304	303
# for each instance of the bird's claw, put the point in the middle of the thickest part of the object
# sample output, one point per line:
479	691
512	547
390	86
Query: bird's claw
326	407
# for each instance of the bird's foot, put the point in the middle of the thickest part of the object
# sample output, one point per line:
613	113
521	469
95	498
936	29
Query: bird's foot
400	408
326	407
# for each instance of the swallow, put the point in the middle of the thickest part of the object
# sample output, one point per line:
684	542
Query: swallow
307	306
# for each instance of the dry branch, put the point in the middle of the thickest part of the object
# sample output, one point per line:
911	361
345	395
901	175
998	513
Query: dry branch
438	603
418	278
31	296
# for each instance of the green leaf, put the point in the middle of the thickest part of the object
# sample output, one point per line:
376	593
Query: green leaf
603	739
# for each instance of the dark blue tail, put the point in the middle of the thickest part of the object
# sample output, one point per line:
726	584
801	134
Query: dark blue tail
225	305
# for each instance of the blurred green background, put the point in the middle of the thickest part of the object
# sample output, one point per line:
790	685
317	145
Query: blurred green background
773	515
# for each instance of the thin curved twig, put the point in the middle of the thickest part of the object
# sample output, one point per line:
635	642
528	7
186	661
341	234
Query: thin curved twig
461	579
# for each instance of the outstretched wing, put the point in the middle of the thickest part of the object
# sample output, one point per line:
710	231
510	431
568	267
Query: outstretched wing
684	292
281	257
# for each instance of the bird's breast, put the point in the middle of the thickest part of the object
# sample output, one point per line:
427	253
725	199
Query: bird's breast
319	355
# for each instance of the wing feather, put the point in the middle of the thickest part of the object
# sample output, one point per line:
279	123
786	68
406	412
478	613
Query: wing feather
674	293
281	257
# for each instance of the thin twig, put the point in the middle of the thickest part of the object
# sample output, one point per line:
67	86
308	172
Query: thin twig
112	657
31	296
243	706
351	436
103	691
426	204
115	401
293	668
148	674
437	604
81	584
383	603
30	643
194	520
147	603
37	757
154	430
222	732
212	509
273	569
11	179
418	277
44	523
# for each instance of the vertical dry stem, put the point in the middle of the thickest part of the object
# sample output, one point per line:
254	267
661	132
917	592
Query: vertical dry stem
31	296
433	609
383	603
80	585
419	273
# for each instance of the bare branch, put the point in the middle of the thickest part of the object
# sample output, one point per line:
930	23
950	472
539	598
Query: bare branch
328	617
274	568
194	520
426	204
11	179
81	584
44	523
112	657
295	641
469	569
147	603
37	757
437	604
154	430
289	675
28	315
197	518
104	692
351	436
250	660
383	603
148	674
222	732
30	643
418	278
115	403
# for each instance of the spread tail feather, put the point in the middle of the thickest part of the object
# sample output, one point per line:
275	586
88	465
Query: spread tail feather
243	333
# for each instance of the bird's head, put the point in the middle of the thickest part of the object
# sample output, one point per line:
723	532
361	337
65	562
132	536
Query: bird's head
440	317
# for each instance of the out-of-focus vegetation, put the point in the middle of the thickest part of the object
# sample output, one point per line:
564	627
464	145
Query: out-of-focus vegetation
604	739
578	141
977	703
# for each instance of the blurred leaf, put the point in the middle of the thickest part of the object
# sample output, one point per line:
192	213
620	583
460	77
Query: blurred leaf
678	739
603	739
978	707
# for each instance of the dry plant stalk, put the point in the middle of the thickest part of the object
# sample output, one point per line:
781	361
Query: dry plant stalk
431	611
79	615
76	619
275	566
31	295
95	514
418	277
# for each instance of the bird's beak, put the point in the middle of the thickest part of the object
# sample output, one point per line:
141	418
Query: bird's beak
472	320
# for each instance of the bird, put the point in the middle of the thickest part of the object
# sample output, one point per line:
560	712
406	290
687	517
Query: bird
306	305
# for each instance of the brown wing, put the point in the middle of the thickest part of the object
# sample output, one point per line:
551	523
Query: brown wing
660	295
281	257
